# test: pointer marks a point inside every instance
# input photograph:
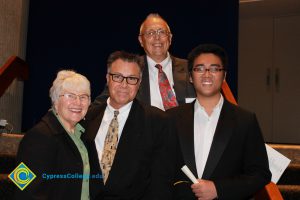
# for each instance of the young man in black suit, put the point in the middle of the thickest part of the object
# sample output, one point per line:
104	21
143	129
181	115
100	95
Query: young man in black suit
221	143
142	165
155	38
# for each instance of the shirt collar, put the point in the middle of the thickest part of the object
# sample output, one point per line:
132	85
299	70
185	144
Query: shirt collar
78	130
218	106
164	63
123	109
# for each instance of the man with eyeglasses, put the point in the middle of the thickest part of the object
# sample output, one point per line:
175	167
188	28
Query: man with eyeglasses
139	160
221	143
155	37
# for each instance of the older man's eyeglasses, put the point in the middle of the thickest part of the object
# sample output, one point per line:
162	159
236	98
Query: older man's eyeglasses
201	69
84	98
131	80
159	32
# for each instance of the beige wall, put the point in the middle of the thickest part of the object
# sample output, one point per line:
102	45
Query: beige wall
13	33
268	68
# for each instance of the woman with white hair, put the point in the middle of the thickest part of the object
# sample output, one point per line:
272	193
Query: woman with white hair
53	149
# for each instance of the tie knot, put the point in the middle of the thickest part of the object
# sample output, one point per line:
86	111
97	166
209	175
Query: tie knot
159	67
116	112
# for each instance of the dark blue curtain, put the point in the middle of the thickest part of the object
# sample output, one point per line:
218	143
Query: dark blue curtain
80	35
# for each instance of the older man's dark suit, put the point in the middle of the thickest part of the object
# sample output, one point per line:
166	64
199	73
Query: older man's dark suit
182	86
237	161
143	167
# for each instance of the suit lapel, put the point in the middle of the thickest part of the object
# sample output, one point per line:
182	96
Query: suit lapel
186	136
61	133
129	138
179	77
144	90
221	139
95	122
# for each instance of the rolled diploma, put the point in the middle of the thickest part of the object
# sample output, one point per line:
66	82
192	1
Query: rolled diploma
189	174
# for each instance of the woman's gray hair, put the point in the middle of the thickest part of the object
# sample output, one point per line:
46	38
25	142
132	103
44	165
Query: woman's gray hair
68	80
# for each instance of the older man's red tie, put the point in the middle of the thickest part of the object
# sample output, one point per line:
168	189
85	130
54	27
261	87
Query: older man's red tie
167	94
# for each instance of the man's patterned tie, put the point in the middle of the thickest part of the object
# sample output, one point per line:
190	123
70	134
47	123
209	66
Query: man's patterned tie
110	147
167	95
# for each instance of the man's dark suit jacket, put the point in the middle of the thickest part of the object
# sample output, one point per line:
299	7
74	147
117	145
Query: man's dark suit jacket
237	162
182	86
48	149
143	167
